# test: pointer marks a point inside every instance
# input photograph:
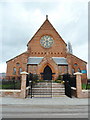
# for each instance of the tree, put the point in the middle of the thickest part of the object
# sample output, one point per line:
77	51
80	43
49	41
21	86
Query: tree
69	47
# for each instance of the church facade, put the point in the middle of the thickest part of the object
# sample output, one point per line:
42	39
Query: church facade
46	56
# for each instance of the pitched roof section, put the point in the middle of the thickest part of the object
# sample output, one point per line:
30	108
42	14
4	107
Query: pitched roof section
48	26
37	60
34	60
60	60
16	57
77	57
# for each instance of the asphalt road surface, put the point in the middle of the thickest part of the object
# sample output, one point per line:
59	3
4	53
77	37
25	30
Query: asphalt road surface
44	111
45	108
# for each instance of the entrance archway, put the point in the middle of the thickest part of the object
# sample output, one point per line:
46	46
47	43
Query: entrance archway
47	73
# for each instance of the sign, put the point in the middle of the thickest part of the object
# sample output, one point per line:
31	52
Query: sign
83	71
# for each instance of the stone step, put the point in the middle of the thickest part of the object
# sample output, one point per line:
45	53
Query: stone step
45	90
48	90
47	93
63	95
59	93
45	83
48	86
46	96
53	91
62	85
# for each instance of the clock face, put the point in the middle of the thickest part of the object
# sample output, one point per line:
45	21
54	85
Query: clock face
46	41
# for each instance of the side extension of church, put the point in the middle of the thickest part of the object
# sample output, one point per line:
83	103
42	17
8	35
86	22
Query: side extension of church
46	55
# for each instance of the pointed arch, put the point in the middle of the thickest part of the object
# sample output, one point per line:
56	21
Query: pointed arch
47	73
48	62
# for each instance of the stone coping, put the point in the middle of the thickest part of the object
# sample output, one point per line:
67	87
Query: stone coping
73	88
82	90
27	87
4	90
85	90
50	88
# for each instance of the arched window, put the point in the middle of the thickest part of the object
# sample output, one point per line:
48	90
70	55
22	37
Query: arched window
73	71
14	71
79	70
17	64
75	64
20	70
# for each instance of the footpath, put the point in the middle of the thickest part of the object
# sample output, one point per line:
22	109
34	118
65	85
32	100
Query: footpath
62	107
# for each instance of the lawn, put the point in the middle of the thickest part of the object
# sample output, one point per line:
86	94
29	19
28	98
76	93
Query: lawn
10	85
86	86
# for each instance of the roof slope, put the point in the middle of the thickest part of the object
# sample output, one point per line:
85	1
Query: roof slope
77	57
57	60
16	56
49	26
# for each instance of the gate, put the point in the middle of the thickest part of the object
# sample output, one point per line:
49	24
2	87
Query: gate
39	88
70	81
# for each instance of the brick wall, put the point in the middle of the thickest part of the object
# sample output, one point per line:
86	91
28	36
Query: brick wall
58	49
72	60
10	93
17	62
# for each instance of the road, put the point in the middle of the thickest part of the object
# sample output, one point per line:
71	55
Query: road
45	108
44	111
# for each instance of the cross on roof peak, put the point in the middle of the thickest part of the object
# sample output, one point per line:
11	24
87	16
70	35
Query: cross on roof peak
46	17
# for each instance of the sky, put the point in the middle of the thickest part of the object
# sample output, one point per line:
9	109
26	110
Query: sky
19	20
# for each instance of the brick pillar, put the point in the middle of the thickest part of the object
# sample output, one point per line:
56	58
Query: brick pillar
23	84
78	84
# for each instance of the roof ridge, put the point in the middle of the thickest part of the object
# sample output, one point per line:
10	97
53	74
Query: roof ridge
41	27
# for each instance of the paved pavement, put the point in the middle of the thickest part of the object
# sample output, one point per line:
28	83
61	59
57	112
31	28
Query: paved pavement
45	101
62	107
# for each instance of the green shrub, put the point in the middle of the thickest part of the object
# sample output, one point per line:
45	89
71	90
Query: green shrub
58	81
35	77
84	86
11	84
59	77
36	81
88	86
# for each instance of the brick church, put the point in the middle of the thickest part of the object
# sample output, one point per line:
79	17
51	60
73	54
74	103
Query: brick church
46	54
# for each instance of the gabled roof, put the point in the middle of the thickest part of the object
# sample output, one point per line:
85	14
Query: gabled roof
16	56
46	21
34	60
37	60
77	57
60	60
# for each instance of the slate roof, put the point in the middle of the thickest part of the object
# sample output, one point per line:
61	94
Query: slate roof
37	60
34	60
60	60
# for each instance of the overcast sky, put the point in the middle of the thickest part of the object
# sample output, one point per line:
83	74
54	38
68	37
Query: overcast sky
20	20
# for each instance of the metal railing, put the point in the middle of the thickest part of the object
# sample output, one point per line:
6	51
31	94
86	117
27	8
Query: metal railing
10	82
